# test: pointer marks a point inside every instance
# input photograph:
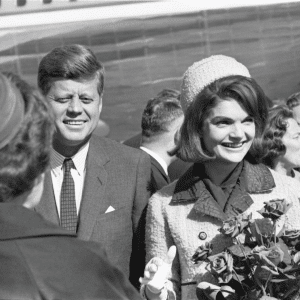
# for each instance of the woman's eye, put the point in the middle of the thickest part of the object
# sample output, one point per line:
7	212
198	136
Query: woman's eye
223	123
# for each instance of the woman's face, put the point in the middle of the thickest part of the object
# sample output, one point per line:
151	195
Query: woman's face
291	140
228	132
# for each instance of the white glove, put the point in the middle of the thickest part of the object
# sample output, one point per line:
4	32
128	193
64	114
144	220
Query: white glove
157	271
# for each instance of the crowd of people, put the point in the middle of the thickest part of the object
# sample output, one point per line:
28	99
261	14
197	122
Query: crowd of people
86	217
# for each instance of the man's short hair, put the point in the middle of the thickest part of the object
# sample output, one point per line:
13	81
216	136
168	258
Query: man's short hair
160	112
293	100
74	62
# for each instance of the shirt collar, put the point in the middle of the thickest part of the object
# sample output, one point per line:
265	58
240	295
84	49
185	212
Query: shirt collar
157	157
79	159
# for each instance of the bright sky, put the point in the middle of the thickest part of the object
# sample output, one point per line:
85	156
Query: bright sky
139	9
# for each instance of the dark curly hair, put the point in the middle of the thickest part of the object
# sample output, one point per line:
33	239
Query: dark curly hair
272	136
293	100
242	89
27	155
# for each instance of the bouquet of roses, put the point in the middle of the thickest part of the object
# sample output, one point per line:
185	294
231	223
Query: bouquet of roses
261	264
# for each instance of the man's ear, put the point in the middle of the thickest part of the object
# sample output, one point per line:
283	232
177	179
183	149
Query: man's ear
100	104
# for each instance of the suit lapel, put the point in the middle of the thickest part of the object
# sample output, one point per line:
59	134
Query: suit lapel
160	169
93	201
47	206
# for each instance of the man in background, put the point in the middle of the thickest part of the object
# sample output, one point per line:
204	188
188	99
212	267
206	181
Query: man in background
96	187
161	121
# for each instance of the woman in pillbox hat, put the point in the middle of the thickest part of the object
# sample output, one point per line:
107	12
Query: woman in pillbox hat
225	114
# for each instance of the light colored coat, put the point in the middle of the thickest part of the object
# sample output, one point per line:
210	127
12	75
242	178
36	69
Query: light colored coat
178	221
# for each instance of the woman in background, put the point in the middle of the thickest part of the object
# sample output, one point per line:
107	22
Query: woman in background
225	116
282	142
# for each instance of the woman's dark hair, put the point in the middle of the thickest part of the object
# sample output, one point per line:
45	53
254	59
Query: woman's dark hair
272	137
293	100
242	89
26	156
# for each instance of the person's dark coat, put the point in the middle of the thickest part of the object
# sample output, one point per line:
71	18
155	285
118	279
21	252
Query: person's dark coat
41	261
159	178
176	168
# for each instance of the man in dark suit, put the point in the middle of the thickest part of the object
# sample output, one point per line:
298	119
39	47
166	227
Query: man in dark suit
161	120
96	187
39	260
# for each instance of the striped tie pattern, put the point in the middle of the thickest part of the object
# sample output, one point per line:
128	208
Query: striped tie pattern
68	212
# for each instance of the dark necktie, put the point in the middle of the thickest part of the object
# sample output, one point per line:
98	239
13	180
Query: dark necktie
68	213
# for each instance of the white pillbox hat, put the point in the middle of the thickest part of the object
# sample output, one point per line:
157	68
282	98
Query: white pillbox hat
204	72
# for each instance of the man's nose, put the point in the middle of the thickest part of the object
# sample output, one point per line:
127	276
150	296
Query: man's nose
75	105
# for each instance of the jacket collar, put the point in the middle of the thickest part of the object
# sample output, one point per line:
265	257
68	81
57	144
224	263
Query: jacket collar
254	179
18	222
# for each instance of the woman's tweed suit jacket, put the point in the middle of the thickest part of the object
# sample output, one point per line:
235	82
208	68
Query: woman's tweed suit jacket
178	218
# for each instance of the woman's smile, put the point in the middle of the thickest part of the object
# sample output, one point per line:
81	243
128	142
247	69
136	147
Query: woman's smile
228	132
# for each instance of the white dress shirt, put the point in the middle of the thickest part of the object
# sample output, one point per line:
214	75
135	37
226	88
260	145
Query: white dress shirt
57	174
157	157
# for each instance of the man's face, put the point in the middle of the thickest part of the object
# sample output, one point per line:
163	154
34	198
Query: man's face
76	105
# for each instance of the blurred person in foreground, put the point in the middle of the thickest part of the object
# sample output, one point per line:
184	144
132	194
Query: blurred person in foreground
225	114
161	119
96	187
281	140
40	260
293	103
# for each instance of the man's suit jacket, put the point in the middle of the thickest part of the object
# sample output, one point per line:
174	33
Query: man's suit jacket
117	177
41	261
159	178
176	168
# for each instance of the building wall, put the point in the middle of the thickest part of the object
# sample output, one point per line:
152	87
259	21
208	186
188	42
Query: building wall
144	55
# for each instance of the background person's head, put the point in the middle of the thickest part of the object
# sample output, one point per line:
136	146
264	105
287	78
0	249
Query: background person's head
281	140
221	85
25	138
72	80
161	120
293	103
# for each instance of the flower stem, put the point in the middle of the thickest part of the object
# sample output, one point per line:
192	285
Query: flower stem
274	232
267	281
246	257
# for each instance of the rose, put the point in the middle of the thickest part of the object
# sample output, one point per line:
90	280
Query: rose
221	267
206	290
274	209
262	230
268	259
202	252
235	225
291	237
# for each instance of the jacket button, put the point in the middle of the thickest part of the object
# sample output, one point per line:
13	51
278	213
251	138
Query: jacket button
202	235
